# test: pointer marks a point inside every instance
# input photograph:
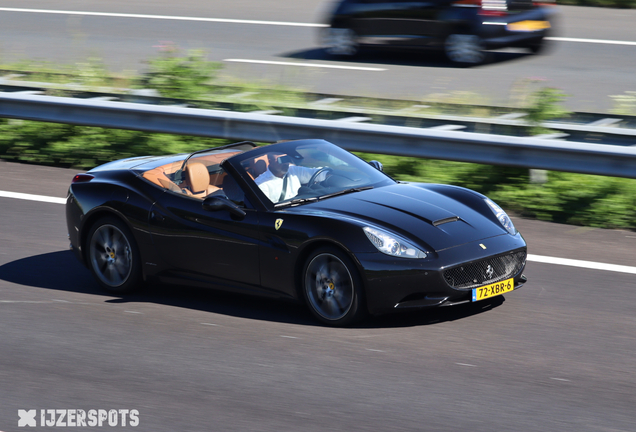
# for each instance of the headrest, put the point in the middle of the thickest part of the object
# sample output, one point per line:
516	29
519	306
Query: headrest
197	177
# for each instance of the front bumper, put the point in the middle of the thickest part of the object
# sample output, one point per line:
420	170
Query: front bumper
393	284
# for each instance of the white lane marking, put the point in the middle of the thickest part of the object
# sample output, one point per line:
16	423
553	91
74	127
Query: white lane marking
375	350
536	258
210	324
466	364
244	21
288	337
31	197
133	312
304	65
583	264
27	301
594	41
560	379
161	17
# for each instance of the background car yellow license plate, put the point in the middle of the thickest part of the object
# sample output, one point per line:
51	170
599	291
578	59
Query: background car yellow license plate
529	25
492	290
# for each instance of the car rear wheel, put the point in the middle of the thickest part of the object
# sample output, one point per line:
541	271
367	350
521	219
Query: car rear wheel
113	256
332	287
465	49
340	42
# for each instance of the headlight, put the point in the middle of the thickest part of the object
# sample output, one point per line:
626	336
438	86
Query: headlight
391	244
501	215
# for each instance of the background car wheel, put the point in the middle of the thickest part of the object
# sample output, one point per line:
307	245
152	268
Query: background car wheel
113	256
332	288
465	49
340	42
540	47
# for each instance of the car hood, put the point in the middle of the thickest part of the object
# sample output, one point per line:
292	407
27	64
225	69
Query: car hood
413	211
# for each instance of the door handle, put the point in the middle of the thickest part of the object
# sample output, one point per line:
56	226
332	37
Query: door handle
156	217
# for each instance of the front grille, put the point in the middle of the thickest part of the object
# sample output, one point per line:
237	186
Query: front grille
490	270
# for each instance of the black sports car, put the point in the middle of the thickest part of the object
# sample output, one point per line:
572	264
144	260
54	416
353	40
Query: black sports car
464	29
304	220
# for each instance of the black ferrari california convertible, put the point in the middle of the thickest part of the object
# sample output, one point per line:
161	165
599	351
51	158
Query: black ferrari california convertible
303	220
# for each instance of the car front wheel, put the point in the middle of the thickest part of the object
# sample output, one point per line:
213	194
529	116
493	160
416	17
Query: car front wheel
537	47
465	49
332	288
113	256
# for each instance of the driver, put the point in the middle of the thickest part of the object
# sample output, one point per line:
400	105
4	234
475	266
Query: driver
281	181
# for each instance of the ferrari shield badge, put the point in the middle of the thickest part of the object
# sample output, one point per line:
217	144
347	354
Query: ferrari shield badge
483	246
278	223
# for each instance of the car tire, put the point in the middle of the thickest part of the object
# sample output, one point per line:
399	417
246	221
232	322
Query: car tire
332	288
341	42
113	256
465	49
537	47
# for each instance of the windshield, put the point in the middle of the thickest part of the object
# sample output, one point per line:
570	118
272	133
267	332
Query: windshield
303	171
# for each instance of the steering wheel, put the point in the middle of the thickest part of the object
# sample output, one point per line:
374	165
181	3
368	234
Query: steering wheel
312	181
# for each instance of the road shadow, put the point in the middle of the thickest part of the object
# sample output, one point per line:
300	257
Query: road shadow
431	59
63	272
56	270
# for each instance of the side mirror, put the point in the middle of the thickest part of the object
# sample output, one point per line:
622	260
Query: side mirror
221	203
377	165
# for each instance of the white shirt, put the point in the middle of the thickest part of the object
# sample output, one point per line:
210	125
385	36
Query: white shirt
272	186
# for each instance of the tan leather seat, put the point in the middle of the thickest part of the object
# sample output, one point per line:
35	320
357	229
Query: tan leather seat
197	180
158	177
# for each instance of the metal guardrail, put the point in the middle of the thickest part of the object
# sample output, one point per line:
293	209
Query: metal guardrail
537	153
578	127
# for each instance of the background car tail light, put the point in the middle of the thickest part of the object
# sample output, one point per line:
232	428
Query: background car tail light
486	7
494	8
82	178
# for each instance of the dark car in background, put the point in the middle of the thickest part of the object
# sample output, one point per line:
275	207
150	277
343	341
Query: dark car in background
463	29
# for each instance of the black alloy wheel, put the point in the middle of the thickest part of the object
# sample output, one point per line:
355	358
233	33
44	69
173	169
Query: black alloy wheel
332	288
113	256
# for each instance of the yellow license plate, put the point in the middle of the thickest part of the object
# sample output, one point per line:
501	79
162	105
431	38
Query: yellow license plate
493	290
529	25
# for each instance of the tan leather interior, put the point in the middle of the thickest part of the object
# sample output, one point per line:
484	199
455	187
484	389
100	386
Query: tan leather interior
197	180
158	177
197	177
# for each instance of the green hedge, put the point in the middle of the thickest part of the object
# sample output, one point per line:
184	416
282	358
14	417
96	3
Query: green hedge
86	147
578	199
568	198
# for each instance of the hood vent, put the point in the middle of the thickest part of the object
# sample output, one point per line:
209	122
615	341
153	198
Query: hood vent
445	220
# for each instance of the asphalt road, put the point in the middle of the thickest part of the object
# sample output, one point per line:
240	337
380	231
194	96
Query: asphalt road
585	69
557	355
